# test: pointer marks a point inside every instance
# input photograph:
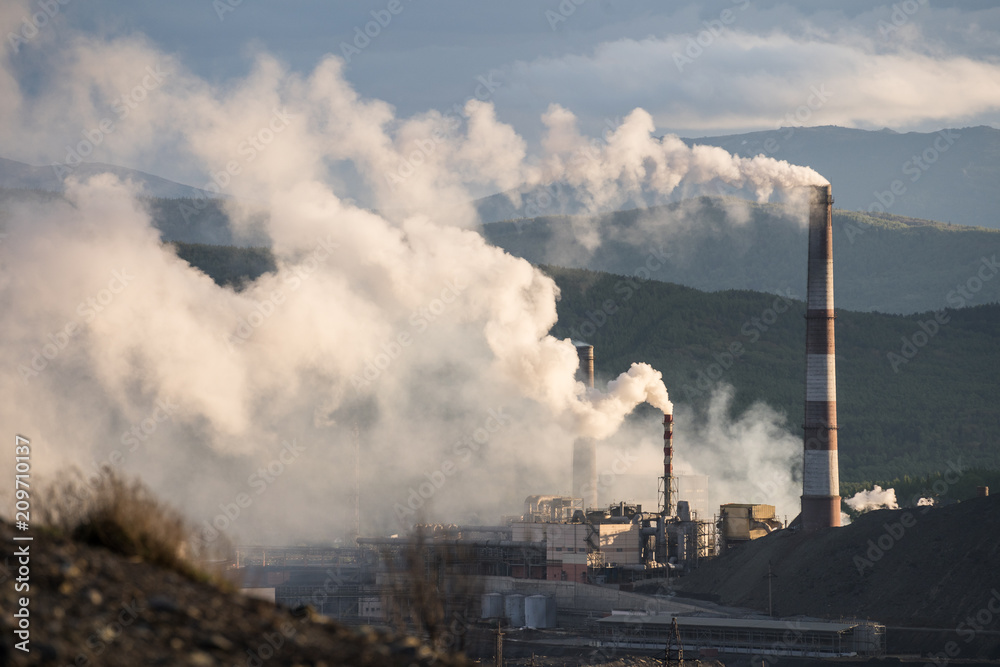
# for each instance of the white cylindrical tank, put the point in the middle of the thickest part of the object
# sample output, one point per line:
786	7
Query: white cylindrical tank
492	605
514	609
534	611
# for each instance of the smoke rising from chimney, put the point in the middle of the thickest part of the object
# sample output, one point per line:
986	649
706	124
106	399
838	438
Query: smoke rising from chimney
456	330
875	499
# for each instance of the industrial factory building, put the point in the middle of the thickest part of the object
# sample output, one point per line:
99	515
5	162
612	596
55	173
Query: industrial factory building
757	637
567	557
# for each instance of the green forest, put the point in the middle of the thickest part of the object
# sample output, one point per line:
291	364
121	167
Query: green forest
884	263
932	404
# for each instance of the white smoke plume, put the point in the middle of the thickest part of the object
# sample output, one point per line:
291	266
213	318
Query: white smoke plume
875	499
749	457
399	337
631	159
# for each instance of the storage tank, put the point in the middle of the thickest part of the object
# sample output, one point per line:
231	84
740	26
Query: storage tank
534	611
540	611
492	606
514	609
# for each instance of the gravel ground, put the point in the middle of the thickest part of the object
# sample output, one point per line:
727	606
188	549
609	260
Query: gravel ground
932	575
89	606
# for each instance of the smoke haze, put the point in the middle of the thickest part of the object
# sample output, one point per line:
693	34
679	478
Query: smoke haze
875	499
397	336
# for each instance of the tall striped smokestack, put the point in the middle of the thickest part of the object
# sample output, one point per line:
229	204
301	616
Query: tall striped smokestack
585	449
820	476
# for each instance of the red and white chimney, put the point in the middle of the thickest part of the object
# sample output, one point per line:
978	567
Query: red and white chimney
820	474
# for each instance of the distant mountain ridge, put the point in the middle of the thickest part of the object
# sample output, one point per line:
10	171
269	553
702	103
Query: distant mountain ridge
19	175
881	262
950	175
908	417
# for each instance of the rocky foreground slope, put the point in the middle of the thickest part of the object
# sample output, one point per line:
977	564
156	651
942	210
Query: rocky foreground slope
88	606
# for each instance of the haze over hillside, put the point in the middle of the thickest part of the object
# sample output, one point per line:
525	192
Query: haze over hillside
890	407
949	176
51	178
881	263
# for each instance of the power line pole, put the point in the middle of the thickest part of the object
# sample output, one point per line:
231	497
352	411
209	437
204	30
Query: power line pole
498	660
674	656
770	576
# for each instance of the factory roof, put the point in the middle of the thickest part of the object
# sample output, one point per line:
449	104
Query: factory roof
744	623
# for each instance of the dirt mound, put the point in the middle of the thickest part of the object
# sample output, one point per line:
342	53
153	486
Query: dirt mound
87	606
921	567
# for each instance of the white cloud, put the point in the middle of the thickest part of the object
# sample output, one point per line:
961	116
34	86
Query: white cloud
741	80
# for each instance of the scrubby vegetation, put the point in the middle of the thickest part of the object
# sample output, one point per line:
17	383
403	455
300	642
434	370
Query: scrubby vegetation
122	515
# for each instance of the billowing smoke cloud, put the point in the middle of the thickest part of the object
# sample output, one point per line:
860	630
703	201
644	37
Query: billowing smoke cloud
748	458
397	344
875	499
631	159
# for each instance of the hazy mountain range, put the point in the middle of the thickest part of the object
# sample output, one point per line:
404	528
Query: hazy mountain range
900	261
18	175
881	263
950	176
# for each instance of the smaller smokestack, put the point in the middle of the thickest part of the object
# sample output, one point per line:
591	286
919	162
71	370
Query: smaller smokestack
585	449
668	501
585	372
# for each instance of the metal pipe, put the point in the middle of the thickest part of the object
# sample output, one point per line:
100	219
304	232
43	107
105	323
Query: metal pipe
402	541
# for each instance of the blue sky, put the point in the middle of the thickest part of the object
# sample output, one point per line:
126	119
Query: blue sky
700	69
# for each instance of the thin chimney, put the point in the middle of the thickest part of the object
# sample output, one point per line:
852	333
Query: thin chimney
585	449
